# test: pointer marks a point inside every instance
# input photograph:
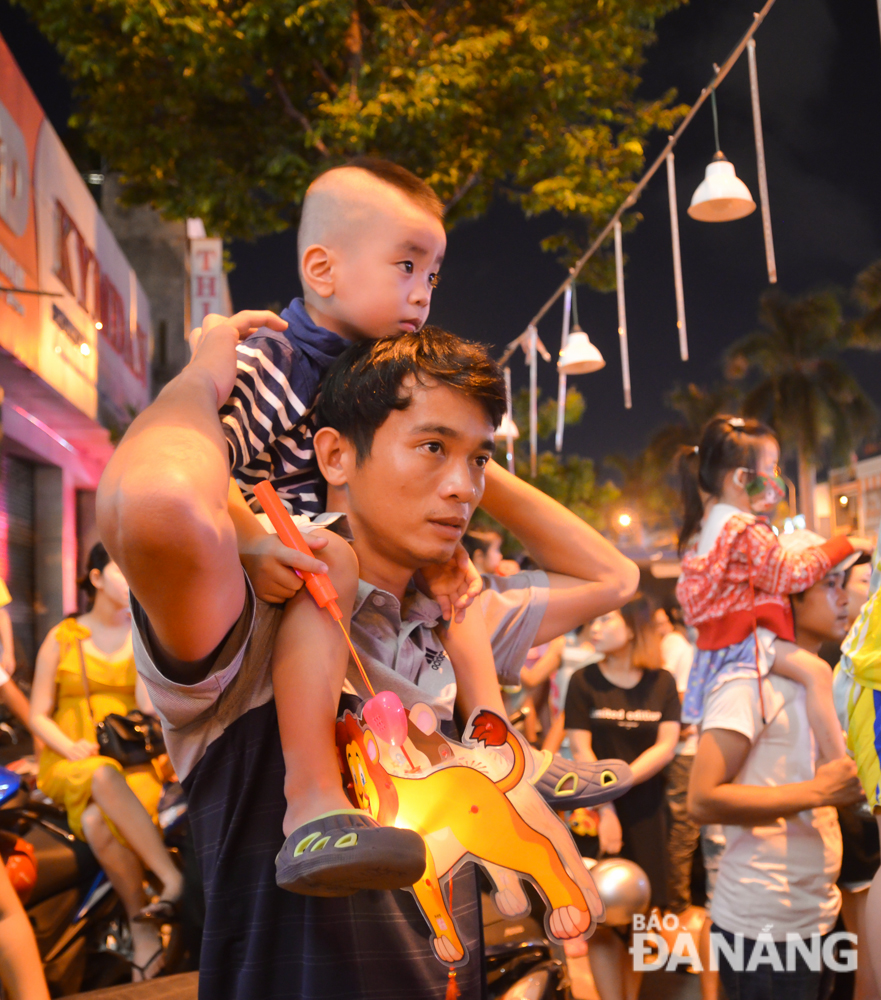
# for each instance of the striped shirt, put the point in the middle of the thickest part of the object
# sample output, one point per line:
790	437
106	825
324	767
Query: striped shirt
269	419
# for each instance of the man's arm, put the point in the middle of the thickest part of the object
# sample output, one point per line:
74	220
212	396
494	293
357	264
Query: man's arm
588	575
162	503
712	798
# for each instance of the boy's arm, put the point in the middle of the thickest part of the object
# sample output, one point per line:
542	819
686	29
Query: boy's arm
163	503
588	575
269	563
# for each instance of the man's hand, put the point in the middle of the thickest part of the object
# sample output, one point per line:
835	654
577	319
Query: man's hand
271	566
214	344
454	584
837	784
82	749
609	832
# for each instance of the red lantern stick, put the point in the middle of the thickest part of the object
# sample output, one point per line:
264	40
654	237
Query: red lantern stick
318	584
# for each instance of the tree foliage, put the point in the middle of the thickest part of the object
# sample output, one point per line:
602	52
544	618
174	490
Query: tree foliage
796	379
225	109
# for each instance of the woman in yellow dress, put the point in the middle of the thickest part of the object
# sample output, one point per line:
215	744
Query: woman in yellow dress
110	807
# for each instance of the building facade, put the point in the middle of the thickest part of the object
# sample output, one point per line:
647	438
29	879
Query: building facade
75	344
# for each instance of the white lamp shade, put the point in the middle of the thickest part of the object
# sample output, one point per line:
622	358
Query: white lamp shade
507	428
579	356
721	196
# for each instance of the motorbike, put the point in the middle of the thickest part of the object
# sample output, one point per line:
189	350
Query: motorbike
521	963
78	920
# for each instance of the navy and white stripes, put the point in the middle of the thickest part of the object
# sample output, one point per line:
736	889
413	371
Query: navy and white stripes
269	417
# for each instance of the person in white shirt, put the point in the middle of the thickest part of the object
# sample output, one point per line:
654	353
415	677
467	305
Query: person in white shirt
777	875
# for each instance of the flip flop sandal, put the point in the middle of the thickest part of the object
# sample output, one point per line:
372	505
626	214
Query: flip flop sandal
143	968
570	784
341	852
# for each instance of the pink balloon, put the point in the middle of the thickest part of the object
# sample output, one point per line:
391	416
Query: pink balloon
385	715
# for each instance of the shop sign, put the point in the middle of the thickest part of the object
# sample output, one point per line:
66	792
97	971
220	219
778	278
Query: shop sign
87	334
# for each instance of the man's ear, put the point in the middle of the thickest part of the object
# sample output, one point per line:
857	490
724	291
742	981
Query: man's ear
334	455
316	270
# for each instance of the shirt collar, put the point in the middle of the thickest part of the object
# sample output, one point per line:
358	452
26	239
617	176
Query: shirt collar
417	607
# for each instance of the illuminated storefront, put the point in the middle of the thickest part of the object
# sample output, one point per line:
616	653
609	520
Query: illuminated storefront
74	359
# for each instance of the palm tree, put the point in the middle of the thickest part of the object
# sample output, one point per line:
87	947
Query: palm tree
866	331
798	383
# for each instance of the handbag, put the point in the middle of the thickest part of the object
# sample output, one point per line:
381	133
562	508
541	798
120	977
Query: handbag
129	739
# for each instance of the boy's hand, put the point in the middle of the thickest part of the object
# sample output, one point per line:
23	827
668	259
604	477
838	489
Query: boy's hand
271	566
214	344
454	584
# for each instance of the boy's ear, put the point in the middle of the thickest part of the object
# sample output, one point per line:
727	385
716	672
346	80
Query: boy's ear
316	270
334	455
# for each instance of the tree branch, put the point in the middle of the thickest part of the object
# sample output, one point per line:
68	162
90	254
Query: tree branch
295	114
325	78
462	190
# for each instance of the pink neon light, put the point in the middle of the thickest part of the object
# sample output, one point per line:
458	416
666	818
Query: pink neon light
45	428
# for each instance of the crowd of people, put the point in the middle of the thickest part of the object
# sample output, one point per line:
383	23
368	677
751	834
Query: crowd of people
712	708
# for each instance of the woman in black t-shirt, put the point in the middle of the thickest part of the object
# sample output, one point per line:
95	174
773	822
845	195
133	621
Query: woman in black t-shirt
625	706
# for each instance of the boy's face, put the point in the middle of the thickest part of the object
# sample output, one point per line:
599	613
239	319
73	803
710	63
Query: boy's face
384	271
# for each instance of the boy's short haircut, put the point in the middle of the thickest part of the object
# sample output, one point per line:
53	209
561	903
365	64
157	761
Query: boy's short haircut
365	383
400	177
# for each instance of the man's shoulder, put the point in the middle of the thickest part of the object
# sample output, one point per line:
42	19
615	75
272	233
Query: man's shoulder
735	705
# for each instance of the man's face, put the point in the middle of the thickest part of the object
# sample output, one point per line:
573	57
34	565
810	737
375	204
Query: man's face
384	277
411	499
823	609
858	589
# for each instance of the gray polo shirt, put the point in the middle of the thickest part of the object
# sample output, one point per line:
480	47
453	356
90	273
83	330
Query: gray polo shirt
400	648
222	735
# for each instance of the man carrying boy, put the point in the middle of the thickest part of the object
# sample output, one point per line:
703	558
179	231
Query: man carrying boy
204	642
370	245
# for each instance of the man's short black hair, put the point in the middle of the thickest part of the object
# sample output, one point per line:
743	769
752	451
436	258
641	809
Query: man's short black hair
365	383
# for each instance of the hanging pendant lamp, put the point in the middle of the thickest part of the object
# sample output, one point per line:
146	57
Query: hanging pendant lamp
721	196
507	429
579	356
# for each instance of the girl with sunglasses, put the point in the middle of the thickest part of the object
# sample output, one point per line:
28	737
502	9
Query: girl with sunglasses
737	579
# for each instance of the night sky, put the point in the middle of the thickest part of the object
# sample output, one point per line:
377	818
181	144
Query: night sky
819	65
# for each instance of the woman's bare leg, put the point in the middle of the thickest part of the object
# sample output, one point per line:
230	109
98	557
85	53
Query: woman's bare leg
873	918
612	967
120	804
853	912
126	874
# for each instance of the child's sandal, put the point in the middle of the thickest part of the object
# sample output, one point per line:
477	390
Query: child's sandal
341	852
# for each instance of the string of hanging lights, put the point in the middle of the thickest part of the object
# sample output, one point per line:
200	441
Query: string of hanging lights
720	197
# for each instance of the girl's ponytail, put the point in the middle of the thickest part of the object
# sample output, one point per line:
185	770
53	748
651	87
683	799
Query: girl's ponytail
692	501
